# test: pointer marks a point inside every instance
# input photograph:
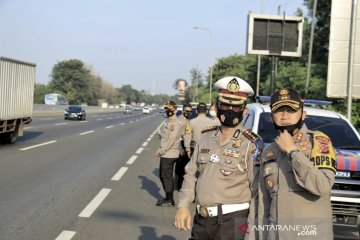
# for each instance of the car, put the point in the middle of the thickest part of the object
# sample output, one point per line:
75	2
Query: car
345	194
127	110
75	112
146	110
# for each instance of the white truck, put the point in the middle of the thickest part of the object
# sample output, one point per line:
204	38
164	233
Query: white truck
17	79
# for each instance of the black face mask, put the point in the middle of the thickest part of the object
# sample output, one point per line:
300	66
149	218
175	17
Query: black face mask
231	118
169	113
187	115
292	129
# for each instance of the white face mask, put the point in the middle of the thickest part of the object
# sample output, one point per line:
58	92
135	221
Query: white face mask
212	113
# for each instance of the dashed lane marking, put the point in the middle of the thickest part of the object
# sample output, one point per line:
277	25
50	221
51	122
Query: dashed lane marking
84	133
38	145
109	127
95	203
139	150
58	124
119	174
122	123
132	159
66	235
144	144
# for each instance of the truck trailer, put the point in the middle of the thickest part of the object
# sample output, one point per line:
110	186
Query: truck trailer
17	79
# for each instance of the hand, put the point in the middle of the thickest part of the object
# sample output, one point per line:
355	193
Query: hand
285	142
157	154
183	219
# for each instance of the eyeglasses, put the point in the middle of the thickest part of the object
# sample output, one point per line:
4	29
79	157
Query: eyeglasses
235	108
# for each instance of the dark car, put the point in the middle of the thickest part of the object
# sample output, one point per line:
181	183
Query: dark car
75	112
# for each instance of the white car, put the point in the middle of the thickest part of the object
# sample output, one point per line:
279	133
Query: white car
146	110
345	194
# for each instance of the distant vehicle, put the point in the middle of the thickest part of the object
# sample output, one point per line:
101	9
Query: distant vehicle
17	81
127	110
55	99
75	112
146	110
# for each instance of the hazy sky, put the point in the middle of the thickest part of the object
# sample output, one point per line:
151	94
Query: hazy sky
146	43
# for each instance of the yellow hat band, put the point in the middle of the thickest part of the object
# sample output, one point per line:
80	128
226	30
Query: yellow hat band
231	99
293	104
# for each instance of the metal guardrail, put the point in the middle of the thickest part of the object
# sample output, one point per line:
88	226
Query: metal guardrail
42	110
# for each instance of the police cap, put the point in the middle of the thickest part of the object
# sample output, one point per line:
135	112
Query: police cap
286	97
233	90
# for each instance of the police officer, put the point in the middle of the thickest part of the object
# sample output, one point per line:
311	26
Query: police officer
185	150
200	122
296	175
223	169
169	152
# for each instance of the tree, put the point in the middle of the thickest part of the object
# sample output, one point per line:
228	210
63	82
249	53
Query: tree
39	93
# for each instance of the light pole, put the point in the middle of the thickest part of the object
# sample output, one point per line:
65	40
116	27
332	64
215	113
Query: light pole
212	45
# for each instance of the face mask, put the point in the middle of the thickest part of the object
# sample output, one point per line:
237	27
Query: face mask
229	117
212	113
292	129
169	113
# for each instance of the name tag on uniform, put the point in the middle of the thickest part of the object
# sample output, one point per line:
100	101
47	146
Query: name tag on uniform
204	150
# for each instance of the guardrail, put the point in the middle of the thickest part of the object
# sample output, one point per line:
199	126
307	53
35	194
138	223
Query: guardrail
42	110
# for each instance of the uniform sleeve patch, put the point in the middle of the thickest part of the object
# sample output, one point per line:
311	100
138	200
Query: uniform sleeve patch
323	154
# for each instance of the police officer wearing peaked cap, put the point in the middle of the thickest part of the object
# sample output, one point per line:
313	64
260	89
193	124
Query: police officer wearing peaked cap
297	173
223	171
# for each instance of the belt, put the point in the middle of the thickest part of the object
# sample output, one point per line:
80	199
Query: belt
226	208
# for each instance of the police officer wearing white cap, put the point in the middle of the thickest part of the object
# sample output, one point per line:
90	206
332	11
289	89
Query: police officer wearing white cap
223	171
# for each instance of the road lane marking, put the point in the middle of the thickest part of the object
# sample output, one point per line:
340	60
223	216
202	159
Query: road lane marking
149	139
139	150
100	119
84	133
151	136
132	159
66	235
95	203
58	124
109	127
144	144
119	174
25	128
38	145
122	123
131	121
136	120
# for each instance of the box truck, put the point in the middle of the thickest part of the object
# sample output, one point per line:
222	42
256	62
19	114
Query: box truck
17	79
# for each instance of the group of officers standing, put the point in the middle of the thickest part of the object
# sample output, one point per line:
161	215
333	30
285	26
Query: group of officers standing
242	189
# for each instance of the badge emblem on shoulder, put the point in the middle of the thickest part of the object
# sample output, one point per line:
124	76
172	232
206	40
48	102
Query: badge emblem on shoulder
214	158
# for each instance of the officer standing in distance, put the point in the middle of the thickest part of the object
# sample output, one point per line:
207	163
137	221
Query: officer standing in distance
224	171
296	175
168	153
200	122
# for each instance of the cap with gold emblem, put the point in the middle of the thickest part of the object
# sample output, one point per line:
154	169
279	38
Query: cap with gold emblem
233	90
286	97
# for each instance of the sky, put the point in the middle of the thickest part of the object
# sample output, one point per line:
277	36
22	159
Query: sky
145	43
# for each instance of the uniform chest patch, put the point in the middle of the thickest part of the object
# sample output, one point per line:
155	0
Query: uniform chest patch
204	150
225	172
268	170
237	143
235	152
270	154
270	183
228	161
214	158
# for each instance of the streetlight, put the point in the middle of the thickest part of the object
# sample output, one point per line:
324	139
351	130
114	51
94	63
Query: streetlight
211	67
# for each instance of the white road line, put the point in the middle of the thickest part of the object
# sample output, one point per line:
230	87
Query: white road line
38	145
27	128
91	207
66	235
109	126
139	150
110	118
86	132
119	174
131	121
144	144
122	123
151	136
58	124
149	139
100	119
132	159
136	120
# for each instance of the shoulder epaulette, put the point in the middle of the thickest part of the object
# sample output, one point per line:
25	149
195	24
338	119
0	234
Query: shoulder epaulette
251	135
208	129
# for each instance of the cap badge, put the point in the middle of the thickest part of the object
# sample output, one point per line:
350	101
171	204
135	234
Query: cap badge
233	86
284	91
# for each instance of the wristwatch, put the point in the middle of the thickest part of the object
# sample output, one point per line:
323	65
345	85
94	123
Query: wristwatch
293	153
